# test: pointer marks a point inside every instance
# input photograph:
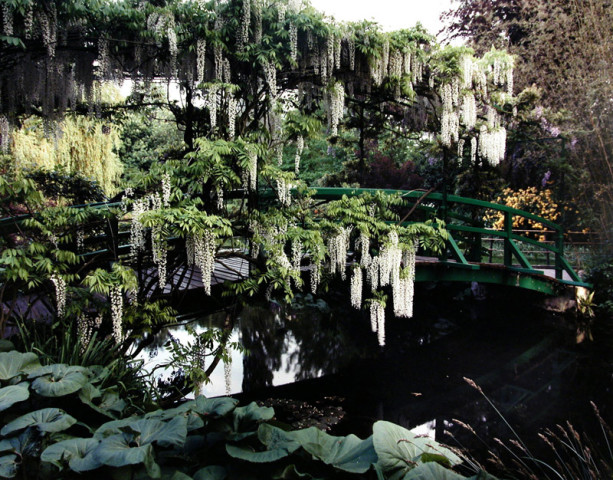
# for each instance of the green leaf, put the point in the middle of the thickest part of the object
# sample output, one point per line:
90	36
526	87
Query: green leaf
165	434
58	380
116	451
78	452
16	363
9	465
47	420
13	394
246	418
432	471
216	407
399	449
212	472
250	455
350	453
6	345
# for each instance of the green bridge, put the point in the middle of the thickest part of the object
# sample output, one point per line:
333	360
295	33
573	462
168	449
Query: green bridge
474	252
467	258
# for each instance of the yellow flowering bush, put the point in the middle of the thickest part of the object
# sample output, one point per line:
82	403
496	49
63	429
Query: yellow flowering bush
531	200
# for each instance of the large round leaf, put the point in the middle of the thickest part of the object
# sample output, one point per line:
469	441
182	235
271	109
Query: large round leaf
46	420
246	418
432	471
216	407
212	472
78	452
9	465
6	345
13	394
350	453
118	451
17	363
58	380
399	449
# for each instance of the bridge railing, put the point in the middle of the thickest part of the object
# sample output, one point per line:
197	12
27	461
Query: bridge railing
464	218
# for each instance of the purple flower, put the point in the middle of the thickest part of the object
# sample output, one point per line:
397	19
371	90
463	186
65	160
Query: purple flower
546	178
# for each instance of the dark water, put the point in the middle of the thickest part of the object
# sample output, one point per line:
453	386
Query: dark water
322	356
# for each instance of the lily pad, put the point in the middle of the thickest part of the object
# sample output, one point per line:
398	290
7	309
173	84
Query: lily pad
47	420
78	452
59	379
16	363
13	394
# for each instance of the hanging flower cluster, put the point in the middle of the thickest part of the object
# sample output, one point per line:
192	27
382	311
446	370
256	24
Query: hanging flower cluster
158	250
296	255
257	19
7	20
166	189
363	244
28	21
403	287
227	372
200	60
469	111
450	121
299	148
356	288
219	195
338	245
242	34
211	103
232	112
270	73
377	320
337	104
281	9
117	313
492	144
293	41
284	191
4	134
60	294
218	54
473	150
351	48
315	269
204	257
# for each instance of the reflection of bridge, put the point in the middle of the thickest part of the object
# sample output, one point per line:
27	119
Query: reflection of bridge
465	259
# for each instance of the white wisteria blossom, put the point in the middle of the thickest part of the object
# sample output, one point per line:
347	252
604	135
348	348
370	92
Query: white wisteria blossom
227	372
337	105
60	294
117	313
200	60
356	288
204	257
299	149
166	189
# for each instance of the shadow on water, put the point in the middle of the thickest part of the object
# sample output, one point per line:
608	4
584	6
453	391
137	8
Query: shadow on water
320	357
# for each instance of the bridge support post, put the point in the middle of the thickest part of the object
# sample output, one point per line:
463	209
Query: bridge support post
508	235
559	254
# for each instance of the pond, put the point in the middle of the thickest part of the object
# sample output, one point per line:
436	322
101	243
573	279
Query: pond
318	363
